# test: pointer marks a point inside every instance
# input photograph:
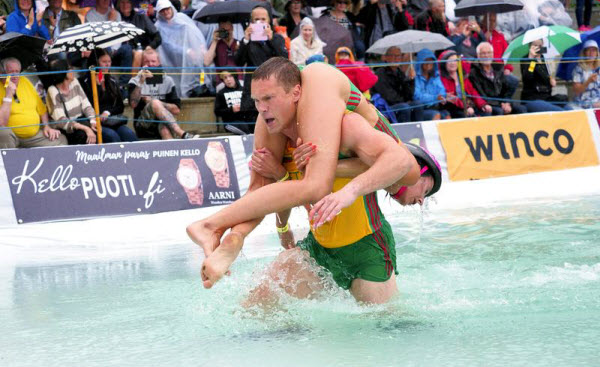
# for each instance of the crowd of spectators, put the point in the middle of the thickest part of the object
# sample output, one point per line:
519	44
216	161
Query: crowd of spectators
154	76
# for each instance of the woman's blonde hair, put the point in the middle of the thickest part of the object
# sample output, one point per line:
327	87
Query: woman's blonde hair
588	64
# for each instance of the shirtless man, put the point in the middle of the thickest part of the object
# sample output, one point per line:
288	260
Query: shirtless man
283	99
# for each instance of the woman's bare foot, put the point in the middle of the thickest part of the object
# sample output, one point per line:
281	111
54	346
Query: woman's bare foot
203	235
217	264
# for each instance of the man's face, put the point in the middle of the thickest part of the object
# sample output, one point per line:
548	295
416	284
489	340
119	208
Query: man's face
13	68
416	193
125	7
167	13
227	26
25	5
276	106
151	60
229	81
55	4
438	8
486	52
103	4
393	55
260	15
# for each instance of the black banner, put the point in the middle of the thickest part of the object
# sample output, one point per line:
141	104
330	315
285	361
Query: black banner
99	180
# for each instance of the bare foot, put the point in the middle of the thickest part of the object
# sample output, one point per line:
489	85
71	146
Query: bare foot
217	264
204	236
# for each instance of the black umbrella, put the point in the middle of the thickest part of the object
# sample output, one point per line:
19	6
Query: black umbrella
481	7
89	36
236	10
26	49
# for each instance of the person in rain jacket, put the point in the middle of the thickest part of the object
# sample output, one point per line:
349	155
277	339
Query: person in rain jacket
429	89
25	20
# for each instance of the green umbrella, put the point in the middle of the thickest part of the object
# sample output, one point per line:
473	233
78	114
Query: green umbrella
557	38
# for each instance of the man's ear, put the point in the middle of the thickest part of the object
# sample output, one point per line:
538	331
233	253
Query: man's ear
297	92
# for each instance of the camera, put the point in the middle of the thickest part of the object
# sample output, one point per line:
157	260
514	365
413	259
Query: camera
223	33
543	50
258	32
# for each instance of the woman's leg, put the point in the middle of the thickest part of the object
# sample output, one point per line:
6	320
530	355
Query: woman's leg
109	135
579	12
126	134
587	12
541	106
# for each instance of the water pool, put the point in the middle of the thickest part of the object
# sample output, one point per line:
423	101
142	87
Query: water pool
508	285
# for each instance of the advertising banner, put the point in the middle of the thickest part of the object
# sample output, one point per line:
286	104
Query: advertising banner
517	144
113	179
411	133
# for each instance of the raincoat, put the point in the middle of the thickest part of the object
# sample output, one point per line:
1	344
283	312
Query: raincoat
428	90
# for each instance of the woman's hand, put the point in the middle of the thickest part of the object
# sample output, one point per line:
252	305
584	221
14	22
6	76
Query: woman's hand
264	163
91	136
302	154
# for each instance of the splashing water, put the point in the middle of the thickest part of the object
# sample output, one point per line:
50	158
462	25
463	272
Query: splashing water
478	287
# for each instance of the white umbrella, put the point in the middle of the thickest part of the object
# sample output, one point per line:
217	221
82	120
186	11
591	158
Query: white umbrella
89	36
411	41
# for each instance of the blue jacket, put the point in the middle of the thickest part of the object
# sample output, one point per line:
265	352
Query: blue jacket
16	22
427	90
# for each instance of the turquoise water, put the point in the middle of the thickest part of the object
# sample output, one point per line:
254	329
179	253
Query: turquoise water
509	285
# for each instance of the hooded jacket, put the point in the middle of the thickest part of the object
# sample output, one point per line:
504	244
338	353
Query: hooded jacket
17	22
361	76
225	100
428	90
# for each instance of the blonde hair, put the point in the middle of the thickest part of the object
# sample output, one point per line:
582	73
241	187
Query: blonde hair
147	52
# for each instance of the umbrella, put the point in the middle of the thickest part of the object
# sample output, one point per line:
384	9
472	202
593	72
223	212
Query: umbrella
26	49
481	7
236	10
333	34
565	69
89	36
411	41
557	39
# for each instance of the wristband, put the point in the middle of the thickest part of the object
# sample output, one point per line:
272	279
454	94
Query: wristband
6	99
284	178
284	228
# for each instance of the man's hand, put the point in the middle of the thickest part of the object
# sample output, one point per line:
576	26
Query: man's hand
506	108
248	33
470	111
236	108
268	32
11	88
112	15
104	116
264	163
144	74
552	82
50	133
146	99
487	108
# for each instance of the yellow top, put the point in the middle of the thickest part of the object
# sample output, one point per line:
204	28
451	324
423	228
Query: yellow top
27	111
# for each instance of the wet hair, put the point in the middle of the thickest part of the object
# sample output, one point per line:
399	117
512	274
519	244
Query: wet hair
285	72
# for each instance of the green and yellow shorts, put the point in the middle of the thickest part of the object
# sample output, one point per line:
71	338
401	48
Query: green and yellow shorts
372	258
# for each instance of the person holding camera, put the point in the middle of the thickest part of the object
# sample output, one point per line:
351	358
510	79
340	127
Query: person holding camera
538	83
155	101
222	46
586	83
259	44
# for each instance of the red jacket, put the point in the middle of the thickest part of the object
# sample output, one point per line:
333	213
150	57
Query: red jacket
469	90
499	43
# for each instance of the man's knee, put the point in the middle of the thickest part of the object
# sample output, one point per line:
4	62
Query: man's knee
8	139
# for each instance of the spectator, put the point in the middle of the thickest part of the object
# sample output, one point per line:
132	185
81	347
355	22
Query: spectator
150	38
222	46
359	74
56	19
229	99
583	13
23	111
74	5
307	43
254	53
397	88
403	20
155	102
491	84
378	20
110	100
339	13
538	83
293	15
183	46
434	19
454	93
122	54
498	42
586	84
466	36
429	89
25	19
69	107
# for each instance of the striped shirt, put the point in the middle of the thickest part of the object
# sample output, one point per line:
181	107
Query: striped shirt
76	103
